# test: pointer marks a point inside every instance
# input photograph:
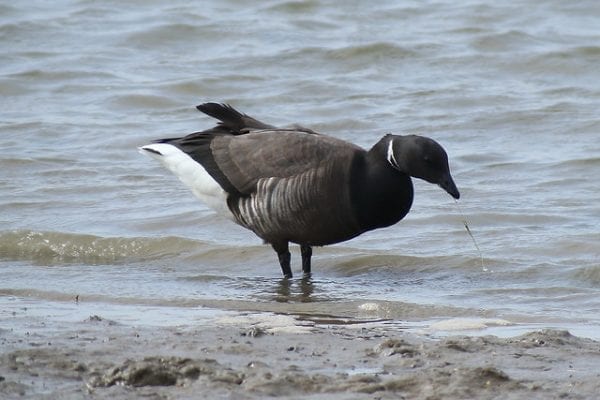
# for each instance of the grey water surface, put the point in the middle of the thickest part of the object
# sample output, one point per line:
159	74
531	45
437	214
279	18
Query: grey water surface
510	89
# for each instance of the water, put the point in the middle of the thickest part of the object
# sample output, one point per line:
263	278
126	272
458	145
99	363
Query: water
511	90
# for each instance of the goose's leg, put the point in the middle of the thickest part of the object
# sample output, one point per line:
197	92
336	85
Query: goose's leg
306	252
283	252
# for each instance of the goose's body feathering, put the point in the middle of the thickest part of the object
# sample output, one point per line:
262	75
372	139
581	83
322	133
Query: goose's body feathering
294	185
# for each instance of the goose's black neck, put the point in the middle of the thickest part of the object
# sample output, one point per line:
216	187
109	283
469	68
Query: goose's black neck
381	195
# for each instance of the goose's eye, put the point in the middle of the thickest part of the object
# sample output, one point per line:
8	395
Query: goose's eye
430	162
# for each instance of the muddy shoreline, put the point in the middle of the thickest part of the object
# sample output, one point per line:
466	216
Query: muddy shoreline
253	356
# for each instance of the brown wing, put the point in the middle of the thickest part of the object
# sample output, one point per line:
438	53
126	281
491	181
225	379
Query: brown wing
246	159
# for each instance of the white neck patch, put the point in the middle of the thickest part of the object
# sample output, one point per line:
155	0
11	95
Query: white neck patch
390	155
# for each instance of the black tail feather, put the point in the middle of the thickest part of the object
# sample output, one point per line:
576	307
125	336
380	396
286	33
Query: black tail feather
231	119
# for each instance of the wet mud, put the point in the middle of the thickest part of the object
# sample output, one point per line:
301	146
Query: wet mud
251	360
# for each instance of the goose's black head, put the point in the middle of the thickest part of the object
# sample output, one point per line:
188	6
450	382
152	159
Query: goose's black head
422	158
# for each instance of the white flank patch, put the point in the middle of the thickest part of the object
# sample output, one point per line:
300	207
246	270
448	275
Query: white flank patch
192	174
390	155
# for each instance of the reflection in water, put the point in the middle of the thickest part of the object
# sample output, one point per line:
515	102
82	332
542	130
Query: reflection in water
287	290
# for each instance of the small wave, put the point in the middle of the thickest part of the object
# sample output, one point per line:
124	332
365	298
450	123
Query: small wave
588	275
294	7
578	51
358	264
505	40
369	261
206	86
347	56
583	163
566	61
62	75
13	87
30	162
165	34
59	247
371	52
144	101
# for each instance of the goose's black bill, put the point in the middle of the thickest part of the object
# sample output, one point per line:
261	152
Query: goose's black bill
295	185
449	186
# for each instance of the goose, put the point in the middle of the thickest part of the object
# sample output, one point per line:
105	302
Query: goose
296	185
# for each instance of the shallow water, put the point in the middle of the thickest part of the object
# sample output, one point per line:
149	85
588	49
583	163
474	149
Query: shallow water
512	91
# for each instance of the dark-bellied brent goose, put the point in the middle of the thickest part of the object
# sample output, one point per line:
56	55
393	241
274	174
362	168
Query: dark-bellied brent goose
296	185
